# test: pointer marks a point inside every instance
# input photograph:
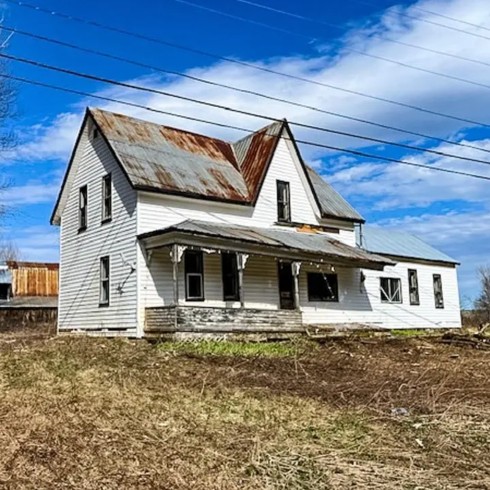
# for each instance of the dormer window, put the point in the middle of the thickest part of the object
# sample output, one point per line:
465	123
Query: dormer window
283	202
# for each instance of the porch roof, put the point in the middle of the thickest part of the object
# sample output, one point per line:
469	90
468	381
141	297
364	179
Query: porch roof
300	245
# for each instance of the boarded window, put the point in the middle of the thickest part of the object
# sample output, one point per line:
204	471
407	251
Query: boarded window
194	290
106	197
438	296
104	281
390	289
283	202
413	287
322	287
82	208
229	271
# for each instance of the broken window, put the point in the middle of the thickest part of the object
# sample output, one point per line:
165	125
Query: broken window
82	209
229	271
413	287
438	296
106	197
390	289
322	287
194	290
283	202
104	281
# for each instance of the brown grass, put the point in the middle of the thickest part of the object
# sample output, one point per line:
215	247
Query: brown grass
110	414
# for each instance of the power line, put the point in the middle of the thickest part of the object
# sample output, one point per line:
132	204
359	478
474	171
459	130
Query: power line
421	19
297	104
220	106
228	126
243	63
349	49
378	36
438	14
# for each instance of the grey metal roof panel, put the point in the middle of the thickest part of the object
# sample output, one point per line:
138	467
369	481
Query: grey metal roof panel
332	204
400	244
311	243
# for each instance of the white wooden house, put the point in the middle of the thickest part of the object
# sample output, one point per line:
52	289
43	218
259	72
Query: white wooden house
165	231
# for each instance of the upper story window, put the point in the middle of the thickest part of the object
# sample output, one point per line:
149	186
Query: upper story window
438	296
322	287
104	281
413	287
390	289
106	197
82	208
229	271
283	202
194	277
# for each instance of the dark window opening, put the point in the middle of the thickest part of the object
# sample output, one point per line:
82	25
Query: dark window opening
5	291
438	296
82	208
106	197
283	202
104	281
391	290
95	133
413	287
194	290
229	271
323	287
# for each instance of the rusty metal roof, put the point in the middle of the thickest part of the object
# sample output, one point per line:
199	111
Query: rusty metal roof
311	243
163	159
159	158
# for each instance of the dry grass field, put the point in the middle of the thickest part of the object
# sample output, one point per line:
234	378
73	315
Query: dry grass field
88	413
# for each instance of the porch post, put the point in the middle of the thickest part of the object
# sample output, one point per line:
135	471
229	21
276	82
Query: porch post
176	256
241	261
295	267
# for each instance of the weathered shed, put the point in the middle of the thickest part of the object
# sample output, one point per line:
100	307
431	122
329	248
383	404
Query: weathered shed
34	278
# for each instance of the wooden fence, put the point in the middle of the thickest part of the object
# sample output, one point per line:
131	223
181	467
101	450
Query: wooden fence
34	278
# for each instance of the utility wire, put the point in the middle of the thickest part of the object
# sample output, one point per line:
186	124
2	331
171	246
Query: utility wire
229	126
258	94
214	105
349	49
242	63
421	19
378	36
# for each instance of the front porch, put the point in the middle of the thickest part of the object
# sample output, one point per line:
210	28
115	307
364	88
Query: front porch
224	279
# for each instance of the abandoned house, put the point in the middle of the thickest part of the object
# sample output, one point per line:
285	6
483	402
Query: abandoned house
165	232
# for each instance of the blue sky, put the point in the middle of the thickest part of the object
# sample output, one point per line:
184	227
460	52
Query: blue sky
448	211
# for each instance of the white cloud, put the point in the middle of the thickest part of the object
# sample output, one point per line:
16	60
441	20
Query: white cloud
35	243
29	193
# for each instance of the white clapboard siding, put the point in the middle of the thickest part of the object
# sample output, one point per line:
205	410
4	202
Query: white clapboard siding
362	304
81	252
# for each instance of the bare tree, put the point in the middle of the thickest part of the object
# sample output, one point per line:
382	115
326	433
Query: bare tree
9	251
482	303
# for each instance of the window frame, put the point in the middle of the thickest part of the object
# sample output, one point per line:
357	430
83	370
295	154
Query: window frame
104	280
389	294
82	210
199	274
283	204
437	279
413	289
334	288
106	217
232	275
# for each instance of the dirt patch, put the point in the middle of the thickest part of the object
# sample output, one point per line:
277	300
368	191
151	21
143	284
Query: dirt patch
94	413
